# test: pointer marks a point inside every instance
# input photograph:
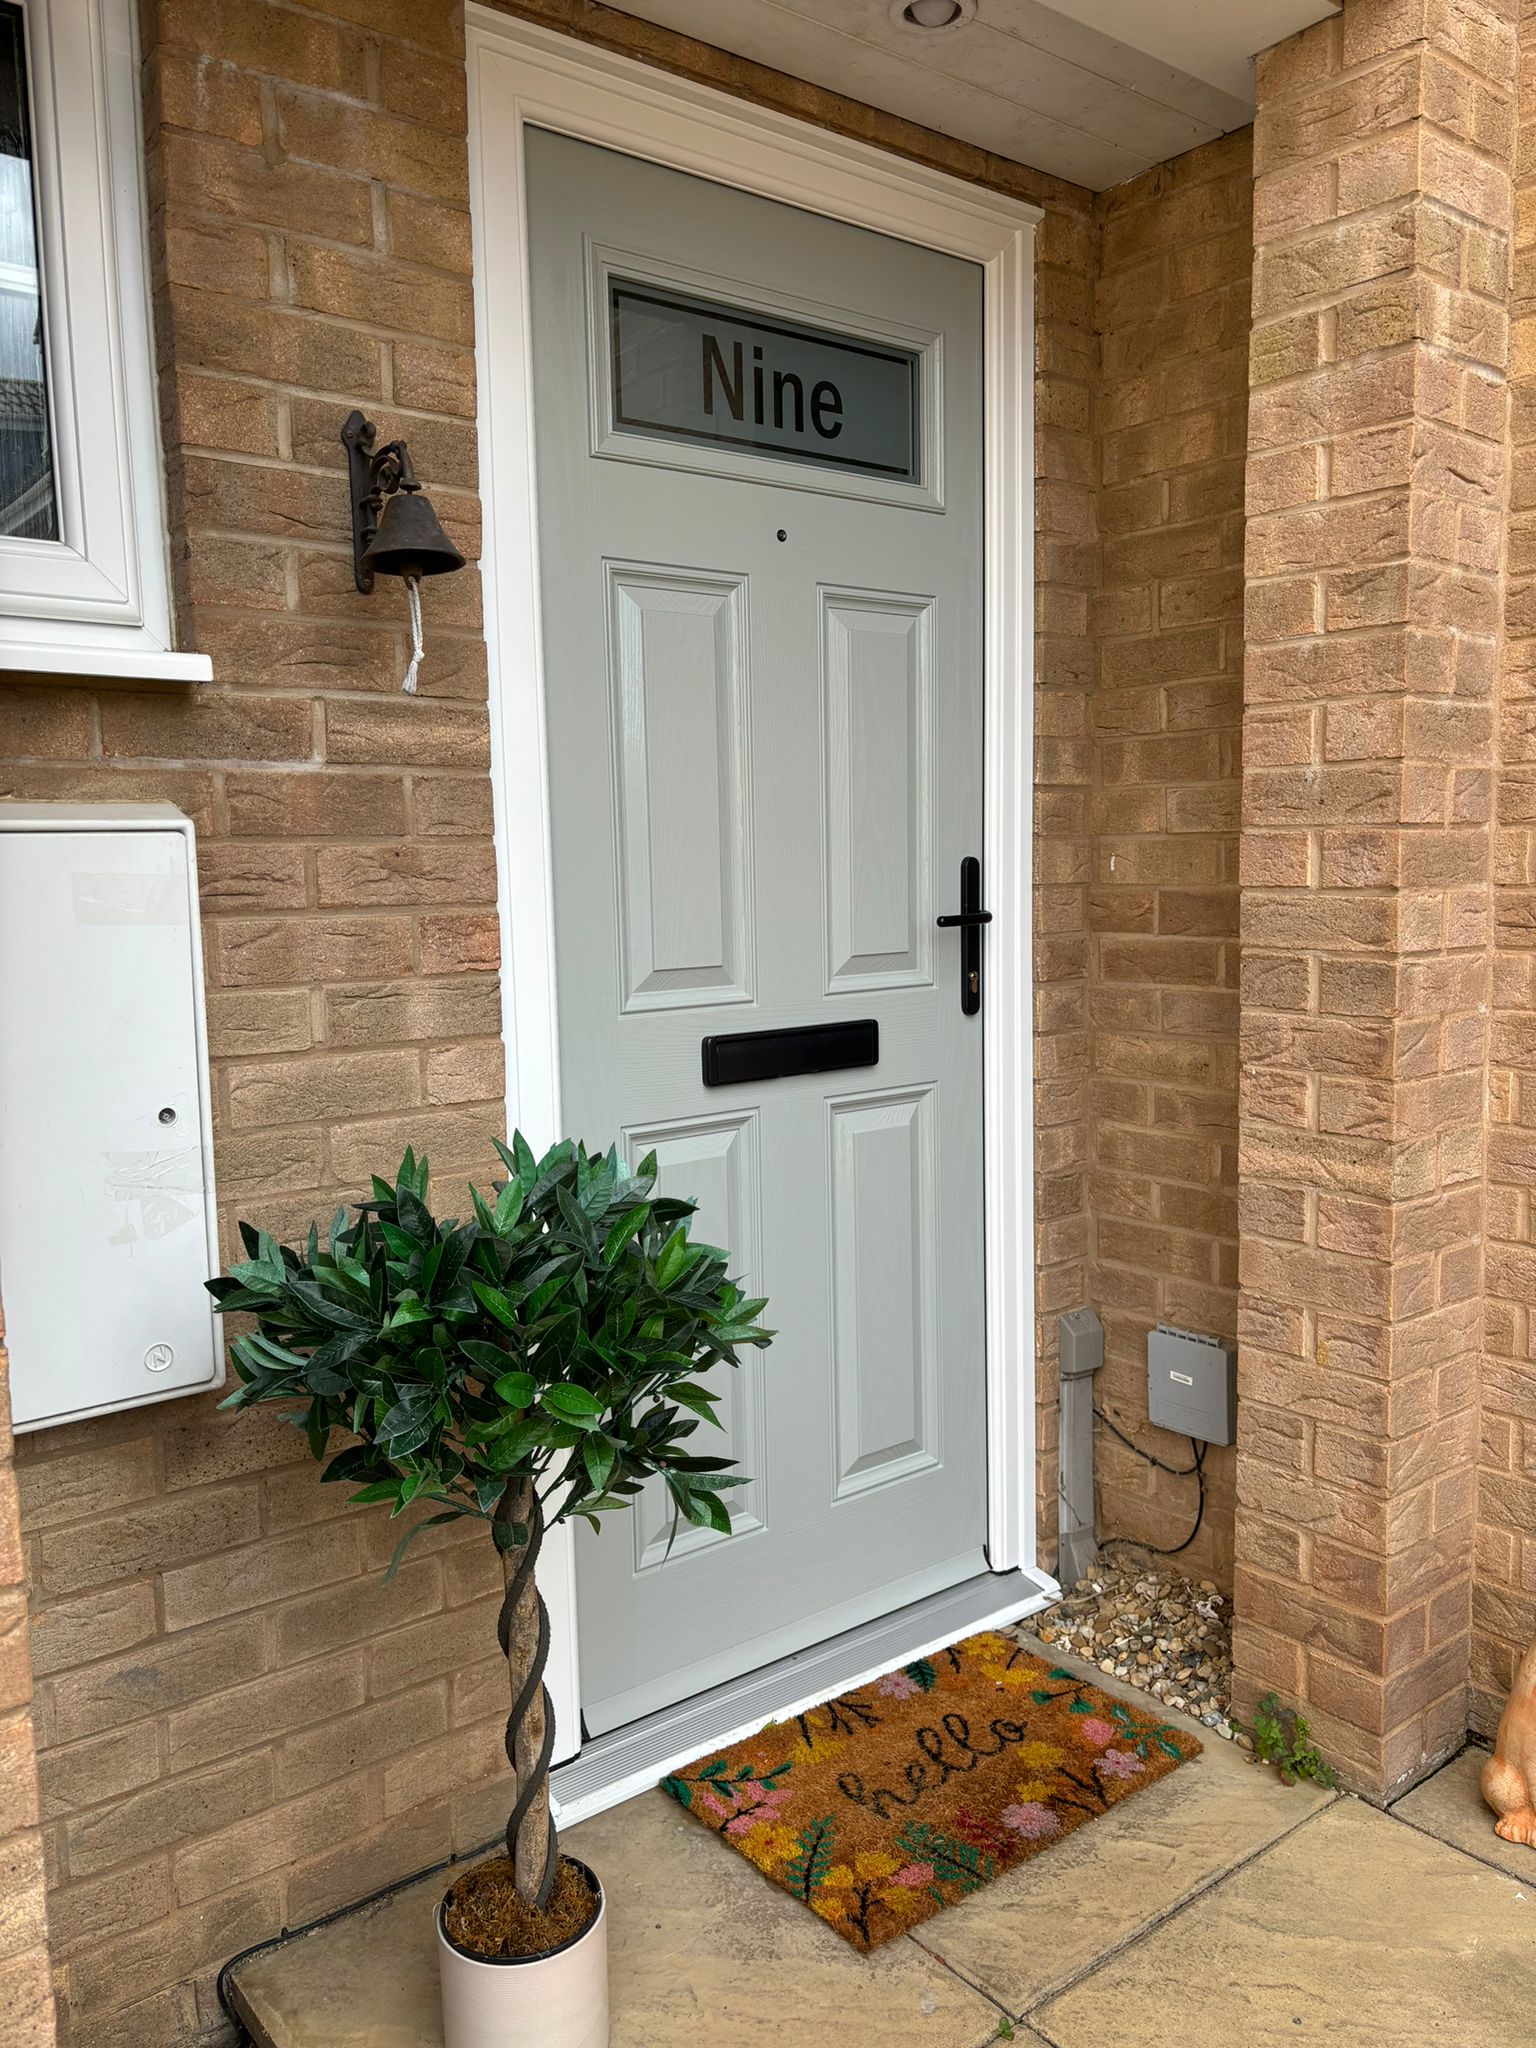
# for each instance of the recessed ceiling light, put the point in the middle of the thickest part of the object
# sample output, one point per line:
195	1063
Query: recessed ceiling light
932	14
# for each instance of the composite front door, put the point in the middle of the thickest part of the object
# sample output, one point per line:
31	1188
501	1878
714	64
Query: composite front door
758	443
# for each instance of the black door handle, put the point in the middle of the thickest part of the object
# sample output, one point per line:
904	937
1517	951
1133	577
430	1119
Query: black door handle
968	920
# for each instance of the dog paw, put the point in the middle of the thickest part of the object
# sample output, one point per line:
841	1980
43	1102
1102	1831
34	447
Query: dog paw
1517	1827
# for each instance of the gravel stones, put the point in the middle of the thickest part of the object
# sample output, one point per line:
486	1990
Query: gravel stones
1169	1635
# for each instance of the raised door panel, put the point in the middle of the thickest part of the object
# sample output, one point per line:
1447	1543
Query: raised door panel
875	654
714	1163
678	686
885	1350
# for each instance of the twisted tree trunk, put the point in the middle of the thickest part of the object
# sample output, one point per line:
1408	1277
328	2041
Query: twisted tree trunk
523	1631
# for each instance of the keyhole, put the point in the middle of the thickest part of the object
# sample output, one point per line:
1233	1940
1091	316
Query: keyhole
167	1115
781	534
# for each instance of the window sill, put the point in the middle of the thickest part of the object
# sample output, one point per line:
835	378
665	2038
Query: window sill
105	664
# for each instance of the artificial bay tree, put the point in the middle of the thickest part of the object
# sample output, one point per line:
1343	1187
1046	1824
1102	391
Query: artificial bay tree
539	1360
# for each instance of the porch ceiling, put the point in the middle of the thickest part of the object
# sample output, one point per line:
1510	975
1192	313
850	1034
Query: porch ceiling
1091	90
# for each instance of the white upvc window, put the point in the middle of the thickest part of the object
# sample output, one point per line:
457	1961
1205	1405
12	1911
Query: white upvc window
83	578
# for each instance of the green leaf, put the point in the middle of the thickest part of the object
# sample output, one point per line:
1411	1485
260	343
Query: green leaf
431	1522
576	1219
699	1399
624	1230
496	1304
517	1389
429	1266
411	1212
541	1297
572	1404
273	1354
598	1455
328	1311
508	1448
672	1258
709	1511
348	1464
317	1428
407	1313
490	1359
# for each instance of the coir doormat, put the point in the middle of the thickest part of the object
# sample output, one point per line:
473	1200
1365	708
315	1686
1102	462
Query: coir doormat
888	1804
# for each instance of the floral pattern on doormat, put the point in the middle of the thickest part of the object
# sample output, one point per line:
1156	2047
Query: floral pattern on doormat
895	1800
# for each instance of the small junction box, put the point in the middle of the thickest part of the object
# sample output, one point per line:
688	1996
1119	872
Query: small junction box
1192	1385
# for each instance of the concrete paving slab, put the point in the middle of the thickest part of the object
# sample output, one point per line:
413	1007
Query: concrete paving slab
701	1949
1041	1926
701	1953
1450	1805
1354	1928
368	1977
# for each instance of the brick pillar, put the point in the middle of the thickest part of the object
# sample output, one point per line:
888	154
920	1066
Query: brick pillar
1504	1612
1376	496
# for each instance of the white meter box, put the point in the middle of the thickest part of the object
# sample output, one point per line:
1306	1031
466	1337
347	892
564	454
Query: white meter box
107	1221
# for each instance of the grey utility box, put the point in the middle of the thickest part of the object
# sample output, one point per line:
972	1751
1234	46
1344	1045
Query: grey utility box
1192	1385
1080	1343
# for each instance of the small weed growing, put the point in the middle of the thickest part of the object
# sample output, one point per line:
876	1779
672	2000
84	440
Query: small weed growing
1004	2030
1281	1737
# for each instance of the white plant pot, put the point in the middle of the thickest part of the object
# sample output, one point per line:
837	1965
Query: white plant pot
559	2000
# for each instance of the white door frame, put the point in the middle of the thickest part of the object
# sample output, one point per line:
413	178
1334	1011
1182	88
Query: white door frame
520	76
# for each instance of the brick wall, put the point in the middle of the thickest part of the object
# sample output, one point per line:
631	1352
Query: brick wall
26	1994
1173	315
239	1724
1376	484
1504	1601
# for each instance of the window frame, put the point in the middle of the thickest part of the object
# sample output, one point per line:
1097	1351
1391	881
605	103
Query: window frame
97	600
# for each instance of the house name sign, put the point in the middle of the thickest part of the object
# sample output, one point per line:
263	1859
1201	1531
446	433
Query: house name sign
691	370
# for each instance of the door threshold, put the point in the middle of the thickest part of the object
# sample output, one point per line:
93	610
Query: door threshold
614	1767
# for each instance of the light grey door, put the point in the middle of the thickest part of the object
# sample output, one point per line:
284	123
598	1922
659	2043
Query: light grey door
758	439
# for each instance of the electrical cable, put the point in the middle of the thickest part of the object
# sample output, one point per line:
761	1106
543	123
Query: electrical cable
1195	1471
1178	1471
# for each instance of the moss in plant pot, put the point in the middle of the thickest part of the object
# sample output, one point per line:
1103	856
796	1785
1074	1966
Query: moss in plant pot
540	1360
483	1913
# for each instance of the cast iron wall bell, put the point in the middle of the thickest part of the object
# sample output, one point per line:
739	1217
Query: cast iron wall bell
395	531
